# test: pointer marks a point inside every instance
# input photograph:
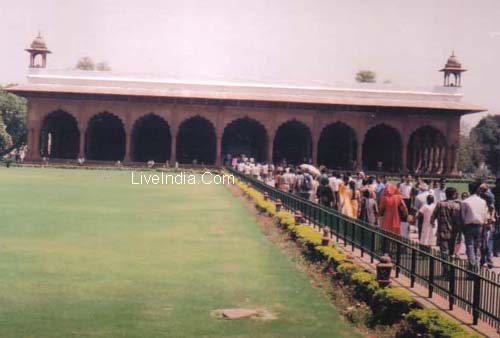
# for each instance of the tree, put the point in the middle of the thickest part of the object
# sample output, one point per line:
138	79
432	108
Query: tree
85	63
14	112
366	76
487	133
470	155
5	139
103	66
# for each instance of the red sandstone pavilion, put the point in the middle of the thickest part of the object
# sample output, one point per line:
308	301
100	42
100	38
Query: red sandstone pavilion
104	116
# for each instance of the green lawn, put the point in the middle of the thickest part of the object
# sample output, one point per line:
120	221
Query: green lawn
87	254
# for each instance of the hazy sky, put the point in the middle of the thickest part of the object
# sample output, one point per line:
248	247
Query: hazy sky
302	42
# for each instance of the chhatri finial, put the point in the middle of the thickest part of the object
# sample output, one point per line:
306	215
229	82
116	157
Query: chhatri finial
452	68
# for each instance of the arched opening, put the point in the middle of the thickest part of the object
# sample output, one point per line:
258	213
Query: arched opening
337	146
59	137
382	149
292	143
426	152
105	138
245	137
151	139
196	141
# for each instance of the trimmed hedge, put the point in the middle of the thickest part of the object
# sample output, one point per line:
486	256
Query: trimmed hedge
391	304
365	286
332	255
429	323
307	235
285	219
346	270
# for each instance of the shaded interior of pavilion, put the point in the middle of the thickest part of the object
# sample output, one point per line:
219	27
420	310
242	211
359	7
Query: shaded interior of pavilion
195	142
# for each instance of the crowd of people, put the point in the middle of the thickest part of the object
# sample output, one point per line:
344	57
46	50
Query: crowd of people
443	218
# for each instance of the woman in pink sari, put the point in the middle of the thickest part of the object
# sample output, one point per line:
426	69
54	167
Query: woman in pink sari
391	206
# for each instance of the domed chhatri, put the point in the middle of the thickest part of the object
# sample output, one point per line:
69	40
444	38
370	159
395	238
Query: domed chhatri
39	43
453	62
453	67
38	47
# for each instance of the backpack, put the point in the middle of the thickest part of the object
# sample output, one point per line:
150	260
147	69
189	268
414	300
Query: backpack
306	183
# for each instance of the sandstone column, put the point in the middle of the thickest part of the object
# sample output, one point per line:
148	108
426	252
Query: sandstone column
359	156
34	143
454	163
128	139
404	155
314	150
83	130
173	149
270	149
218	150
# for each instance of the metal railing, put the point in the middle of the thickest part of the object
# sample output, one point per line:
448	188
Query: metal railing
476	292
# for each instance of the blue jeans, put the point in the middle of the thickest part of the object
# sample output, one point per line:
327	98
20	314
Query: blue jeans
472	234
487	247
446	246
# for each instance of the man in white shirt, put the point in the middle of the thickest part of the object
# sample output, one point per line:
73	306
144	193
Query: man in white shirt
334	183
405	190
360	178
439	192
420	201
474	216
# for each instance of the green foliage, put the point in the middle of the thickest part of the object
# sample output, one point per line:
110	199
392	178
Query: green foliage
360	314
365	285
85	63
332	255
285	219
366	76
14	112
307	235
5	139
429	323
470	154
487	133
391	304
346	270
102	66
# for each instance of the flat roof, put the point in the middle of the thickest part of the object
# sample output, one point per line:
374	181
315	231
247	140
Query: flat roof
41	81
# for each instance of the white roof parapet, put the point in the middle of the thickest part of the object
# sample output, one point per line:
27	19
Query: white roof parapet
110	83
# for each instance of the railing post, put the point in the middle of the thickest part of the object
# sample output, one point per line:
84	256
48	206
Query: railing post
413	267
362	240
476	298
345	232
384	245
430	283
398	259
372	249
353	236
337	221
451	294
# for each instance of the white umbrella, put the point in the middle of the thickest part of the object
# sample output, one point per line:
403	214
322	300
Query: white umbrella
310	169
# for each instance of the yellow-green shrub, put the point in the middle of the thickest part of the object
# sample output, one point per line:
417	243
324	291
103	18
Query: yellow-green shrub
365	285
331	254
429	323
345	271
391	304
285	218
307	235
